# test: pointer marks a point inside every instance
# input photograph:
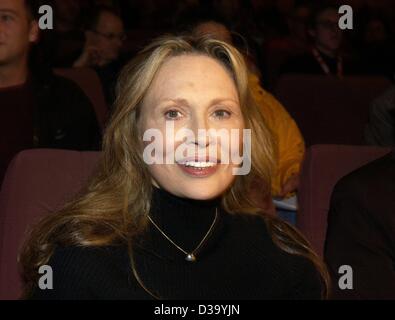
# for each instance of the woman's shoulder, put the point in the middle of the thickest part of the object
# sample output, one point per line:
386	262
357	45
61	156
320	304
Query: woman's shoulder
84	254
253	235
248	225
260	230
77	271
88	259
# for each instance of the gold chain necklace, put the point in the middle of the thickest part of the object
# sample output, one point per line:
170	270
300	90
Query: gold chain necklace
189	256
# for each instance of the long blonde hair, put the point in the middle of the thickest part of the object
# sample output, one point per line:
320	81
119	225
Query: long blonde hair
113	208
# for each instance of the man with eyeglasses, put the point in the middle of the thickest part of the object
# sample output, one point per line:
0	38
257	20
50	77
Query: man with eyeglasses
324	56
104	37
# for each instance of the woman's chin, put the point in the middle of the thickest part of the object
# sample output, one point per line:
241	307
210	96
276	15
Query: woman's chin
201	192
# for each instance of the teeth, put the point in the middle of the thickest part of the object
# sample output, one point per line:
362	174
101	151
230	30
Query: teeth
199	164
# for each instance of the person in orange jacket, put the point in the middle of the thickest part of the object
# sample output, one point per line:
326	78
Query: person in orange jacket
290	142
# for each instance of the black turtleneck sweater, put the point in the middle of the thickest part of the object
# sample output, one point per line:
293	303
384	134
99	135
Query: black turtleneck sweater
238	260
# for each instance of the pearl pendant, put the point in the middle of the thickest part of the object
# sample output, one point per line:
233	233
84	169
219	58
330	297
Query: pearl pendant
190	257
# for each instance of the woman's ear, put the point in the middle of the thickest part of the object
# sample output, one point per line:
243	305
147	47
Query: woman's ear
34	32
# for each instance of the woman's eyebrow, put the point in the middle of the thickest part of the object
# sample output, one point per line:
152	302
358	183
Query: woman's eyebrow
219	100
179	101
184	102
9	11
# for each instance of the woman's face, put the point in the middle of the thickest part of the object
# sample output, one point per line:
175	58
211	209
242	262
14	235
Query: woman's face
193	92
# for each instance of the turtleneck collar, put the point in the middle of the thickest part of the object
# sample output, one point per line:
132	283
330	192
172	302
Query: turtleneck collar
163	200
185	221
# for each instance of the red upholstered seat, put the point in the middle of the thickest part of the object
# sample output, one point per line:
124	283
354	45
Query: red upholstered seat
37	183
328	110
89	82
323	167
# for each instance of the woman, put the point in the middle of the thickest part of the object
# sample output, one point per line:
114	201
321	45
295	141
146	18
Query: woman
175	231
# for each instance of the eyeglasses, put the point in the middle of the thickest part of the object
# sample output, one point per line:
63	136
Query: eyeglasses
111	36
329	25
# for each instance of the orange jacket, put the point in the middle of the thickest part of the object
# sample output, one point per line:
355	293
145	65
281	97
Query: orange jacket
290	142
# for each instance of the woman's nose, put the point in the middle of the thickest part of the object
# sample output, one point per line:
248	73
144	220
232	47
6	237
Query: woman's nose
200	128
199	122
202	141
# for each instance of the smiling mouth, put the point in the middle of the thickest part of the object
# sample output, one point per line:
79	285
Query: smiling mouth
199	169
198	164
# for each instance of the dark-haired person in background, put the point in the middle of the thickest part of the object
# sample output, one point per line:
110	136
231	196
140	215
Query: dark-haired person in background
104	36
67	17
61	45
37	109
380	130
325	56
377	47
361	231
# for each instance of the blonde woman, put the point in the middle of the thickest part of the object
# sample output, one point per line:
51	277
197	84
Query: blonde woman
185	230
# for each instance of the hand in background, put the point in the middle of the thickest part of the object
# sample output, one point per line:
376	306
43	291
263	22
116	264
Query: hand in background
90	57
290	186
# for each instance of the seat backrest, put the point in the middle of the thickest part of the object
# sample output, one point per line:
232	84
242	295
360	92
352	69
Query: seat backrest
37	183
323	167
277	53
329	110
89	82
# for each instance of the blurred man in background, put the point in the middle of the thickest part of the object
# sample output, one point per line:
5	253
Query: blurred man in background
361	231
67	16
37	109
380	130
325	56
61	45
104	36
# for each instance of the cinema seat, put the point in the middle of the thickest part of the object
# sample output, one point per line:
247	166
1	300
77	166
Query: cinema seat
37	183
89	82
323	167
328	110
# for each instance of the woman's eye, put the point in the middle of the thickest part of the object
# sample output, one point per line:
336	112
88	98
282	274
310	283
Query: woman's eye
222	114
173	115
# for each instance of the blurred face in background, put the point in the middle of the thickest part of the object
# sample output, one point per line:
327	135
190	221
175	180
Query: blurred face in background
375	32
107	37
285	6
298	21
228	8
193	92
327	34
17	31
68	10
